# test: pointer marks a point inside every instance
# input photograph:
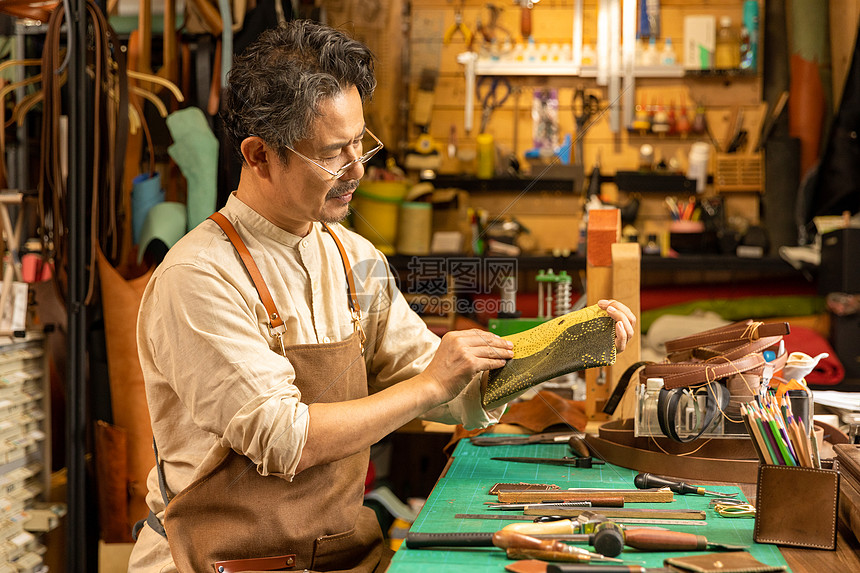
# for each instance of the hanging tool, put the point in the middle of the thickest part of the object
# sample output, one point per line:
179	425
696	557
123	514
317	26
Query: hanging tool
584	108
647	481
573	462
468	59
493	33
458	26
493	92
526	17
545	438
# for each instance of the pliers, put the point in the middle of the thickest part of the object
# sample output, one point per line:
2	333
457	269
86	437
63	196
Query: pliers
458	26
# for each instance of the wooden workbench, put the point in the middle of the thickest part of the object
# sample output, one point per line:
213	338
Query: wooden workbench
462	489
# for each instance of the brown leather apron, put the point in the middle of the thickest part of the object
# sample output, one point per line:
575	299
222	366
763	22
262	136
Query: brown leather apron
234	519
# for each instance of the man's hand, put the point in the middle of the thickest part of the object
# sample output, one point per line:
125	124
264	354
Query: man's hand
625	320
464	353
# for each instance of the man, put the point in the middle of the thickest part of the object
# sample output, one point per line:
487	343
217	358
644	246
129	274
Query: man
263	430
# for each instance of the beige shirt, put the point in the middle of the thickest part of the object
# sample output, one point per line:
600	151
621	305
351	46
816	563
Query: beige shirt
215	377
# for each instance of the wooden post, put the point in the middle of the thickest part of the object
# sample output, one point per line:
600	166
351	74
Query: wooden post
626	264
604	229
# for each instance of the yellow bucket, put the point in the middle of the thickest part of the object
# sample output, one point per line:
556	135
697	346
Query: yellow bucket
376	205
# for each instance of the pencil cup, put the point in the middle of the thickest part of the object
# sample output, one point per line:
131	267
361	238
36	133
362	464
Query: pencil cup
797	506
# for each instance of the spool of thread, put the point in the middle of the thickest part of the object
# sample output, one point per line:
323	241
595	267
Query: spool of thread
486	156
415	228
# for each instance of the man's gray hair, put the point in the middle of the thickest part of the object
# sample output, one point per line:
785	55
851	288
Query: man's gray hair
275	87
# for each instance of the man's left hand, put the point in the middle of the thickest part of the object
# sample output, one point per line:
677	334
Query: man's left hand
625	321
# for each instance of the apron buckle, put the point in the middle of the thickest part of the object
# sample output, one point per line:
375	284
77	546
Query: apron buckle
277	332
356	324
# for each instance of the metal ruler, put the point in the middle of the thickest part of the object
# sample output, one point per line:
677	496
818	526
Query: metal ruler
632	520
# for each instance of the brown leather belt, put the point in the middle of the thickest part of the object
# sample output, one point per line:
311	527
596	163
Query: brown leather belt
720	459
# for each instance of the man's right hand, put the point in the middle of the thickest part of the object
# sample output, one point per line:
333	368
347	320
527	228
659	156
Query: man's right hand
461	355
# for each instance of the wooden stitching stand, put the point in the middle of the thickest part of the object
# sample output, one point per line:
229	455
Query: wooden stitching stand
612	272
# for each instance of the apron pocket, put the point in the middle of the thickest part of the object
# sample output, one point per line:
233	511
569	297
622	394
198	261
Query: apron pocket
359	549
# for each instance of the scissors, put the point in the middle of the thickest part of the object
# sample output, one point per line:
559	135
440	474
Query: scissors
492	97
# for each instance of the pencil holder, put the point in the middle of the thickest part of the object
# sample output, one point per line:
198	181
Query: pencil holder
797	506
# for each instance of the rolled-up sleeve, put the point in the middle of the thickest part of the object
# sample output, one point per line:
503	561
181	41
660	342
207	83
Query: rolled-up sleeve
404	348
221	367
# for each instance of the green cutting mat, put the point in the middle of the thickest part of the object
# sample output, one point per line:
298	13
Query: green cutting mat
472	473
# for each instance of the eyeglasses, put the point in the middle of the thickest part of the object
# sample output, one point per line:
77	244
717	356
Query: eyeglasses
340	172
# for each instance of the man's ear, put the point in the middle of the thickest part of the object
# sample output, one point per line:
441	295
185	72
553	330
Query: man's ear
257	155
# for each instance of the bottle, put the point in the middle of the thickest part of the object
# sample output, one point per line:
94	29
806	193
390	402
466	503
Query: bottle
728	50
651	57
589	57
667	56
646	423
749	50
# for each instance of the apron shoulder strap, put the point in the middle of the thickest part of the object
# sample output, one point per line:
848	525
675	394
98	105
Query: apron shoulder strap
276	324
353	298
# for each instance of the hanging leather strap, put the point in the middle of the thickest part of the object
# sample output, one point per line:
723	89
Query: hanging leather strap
276	323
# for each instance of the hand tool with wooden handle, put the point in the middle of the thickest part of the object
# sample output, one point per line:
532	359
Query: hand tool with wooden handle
662	540
537	566
516	545
647	481
519	546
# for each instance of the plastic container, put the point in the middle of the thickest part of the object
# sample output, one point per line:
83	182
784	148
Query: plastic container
377	206
697	168
415	228
486	156
645	422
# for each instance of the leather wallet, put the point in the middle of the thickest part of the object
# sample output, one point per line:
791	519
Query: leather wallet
848	456
574	341
727	562
797	506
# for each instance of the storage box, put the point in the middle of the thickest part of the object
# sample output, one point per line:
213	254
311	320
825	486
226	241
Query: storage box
797	506
700	42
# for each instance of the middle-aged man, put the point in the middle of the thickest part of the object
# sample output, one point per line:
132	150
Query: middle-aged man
263	429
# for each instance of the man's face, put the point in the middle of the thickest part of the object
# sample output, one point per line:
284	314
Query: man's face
303	192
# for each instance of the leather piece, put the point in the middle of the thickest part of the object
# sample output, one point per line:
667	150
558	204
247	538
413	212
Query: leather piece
575	341
726	562
112	482
544	410
120	304
797	506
